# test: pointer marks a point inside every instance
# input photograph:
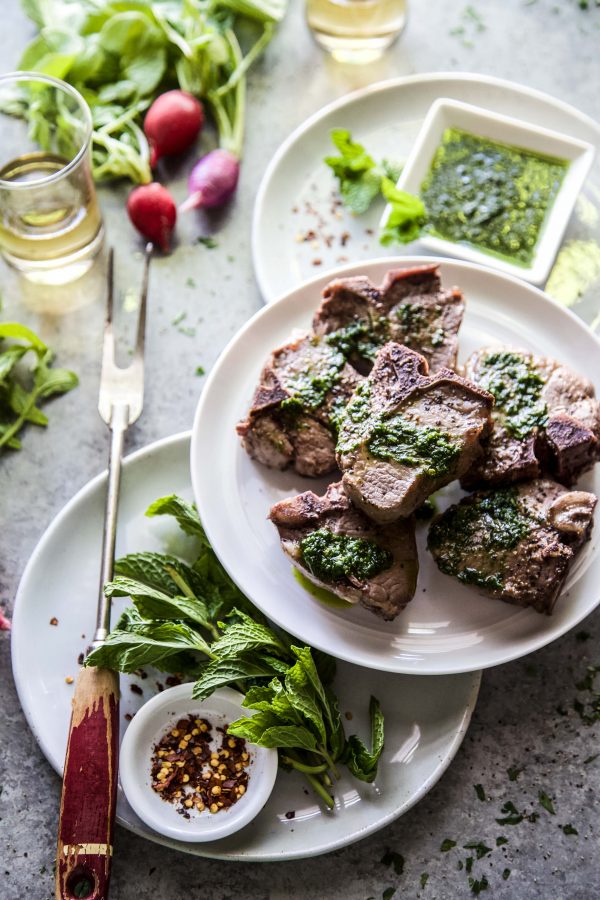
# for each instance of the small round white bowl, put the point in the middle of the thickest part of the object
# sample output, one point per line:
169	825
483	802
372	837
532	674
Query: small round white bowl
147	728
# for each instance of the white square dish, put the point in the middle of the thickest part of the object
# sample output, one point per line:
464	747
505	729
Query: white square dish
579	155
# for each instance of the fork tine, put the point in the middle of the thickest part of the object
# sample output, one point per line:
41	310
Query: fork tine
141	327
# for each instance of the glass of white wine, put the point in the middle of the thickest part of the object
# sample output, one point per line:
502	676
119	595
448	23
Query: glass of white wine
50	222
356	31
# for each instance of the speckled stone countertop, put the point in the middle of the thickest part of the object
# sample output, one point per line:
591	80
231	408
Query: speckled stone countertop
526	736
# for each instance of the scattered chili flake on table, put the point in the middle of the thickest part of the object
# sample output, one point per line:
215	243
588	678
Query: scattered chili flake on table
188	773
54	620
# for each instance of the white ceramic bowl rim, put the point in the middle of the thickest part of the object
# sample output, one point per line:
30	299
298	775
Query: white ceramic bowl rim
149	723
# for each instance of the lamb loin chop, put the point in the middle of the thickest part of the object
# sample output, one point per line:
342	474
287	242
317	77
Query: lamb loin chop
292	421
514	543
410	307
338	548
546	419
405	433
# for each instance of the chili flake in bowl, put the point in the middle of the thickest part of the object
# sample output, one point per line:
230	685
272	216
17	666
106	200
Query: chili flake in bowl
184	775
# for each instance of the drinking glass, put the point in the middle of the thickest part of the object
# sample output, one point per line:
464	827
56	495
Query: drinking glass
50	222
356	31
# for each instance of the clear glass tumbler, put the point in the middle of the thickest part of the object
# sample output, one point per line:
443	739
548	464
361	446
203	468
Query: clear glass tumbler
356	31
50	221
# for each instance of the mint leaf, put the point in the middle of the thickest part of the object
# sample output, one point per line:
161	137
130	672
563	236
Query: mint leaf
546	802
221	672
185	514
146	643
244	636
406	217
358	175
361	762
447	844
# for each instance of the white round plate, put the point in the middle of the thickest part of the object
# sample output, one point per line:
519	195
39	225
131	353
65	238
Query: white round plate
296	194
448	627
426	718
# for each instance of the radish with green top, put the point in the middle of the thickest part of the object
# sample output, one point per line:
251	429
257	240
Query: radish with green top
172	124
212	181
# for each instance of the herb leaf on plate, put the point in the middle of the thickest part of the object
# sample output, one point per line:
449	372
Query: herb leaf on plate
406	217
191	619
357	172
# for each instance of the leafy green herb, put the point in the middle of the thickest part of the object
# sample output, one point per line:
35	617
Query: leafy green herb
121	53
569	829
546	802
207	241
391	858
424	879
514	772
406	217
192	619
22	389
511	815
388	893
200	370
447	844
480	792
359	176
178	319
477	886
505	874
501	840
480	848
189	282
590	759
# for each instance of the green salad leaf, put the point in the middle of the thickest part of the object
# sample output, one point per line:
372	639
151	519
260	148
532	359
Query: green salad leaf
120	54
22	389
191	619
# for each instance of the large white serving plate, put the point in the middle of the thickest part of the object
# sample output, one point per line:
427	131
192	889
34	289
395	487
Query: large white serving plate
448	627
425	718
295	195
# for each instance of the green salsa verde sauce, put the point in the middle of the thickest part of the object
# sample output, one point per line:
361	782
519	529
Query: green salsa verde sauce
331	557
320	593
517	389
490	195
490	527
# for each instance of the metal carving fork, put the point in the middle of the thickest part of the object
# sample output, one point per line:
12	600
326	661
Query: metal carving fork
87	809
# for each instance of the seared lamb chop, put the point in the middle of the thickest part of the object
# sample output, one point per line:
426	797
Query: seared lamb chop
546	419
338	548
514	543
302	389
405	433
410	307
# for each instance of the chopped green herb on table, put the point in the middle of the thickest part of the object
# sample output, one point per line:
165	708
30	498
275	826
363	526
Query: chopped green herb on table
23	389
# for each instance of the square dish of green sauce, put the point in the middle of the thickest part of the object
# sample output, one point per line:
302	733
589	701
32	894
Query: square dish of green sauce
490	195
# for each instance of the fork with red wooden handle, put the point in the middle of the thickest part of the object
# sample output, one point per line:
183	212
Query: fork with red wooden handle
87	808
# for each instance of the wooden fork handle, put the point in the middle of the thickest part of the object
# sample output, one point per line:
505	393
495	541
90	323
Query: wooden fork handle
87	808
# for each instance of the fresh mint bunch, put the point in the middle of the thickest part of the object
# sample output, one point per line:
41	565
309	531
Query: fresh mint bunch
193	620
23	389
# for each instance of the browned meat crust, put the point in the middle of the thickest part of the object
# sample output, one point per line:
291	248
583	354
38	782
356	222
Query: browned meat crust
533	572
410	307
399	386
302	438
565	446
387	593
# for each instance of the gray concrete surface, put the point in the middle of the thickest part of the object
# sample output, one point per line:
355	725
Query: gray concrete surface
525	717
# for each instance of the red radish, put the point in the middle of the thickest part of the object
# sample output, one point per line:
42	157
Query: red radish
172	124
153	212
212	181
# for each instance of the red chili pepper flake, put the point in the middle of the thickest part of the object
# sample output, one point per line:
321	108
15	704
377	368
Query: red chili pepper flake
136	689
187	772
291	814
173	680
80	659
5	623
54	620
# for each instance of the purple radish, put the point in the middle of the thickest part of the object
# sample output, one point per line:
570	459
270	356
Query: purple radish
212	181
